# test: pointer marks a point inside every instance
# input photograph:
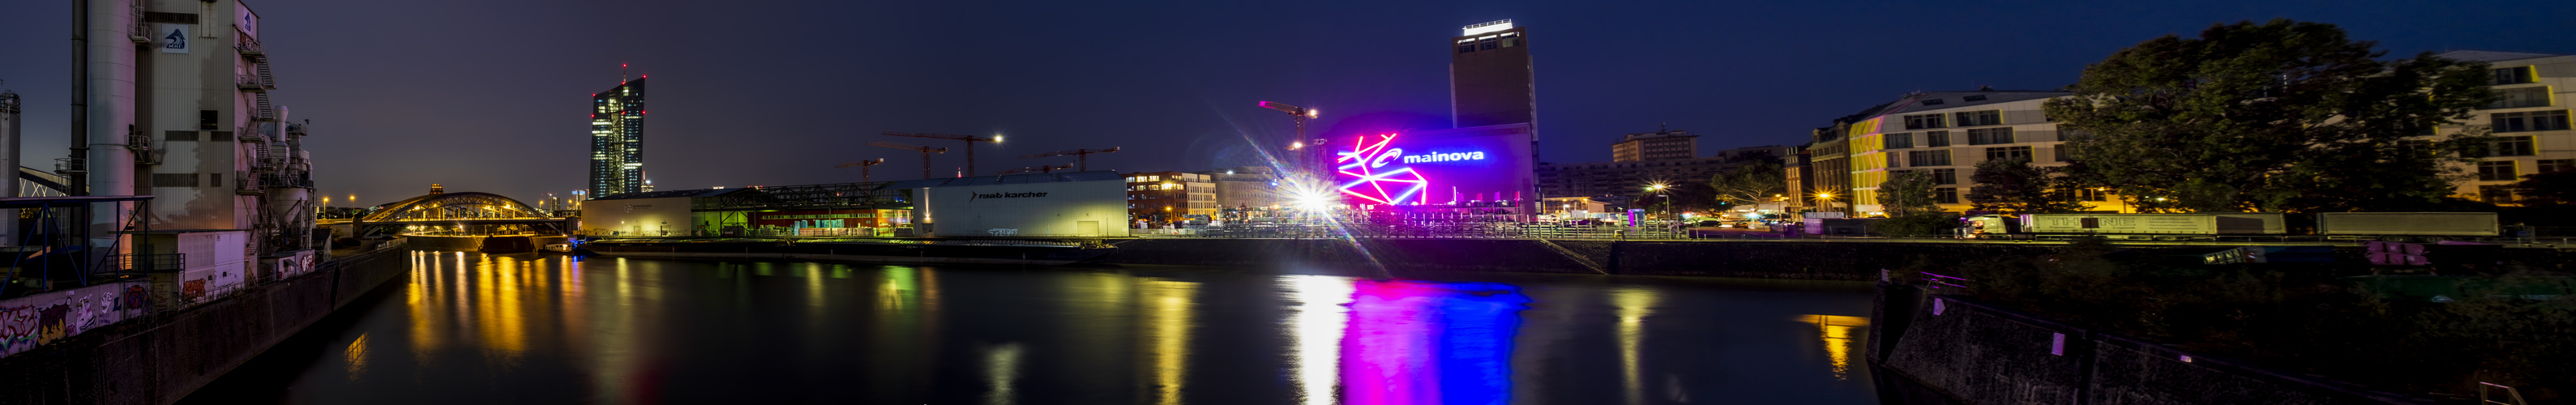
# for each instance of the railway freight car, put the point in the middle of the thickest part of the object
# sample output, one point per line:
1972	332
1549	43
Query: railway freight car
2417	226
2413	225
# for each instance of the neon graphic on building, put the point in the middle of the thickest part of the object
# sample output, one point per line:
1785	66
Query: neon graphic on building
1365	168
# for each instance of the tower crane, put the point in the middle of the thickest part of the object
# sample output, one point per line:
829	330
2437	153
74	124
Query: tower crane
863	167
925	153
1082	157
970	144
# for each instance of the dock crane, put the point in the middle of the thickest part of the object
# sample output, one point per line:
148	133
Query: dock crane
1040	169
1082	157
863	166
970	144
925	153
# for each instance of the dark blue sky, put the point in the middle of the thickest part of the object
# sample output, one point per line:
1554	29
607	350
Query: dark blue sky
491	95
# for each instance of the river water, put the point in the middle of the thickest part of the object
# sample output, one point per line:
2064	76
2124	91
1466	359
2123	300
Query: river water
525	328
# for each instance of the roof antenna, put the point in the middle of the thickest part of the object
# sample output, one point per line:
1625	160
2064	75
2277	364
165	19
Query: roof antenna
621	73
1663	127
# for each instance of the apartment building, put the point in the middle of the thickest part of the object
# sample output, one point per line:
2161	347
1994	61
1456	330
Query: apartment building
1948	134
2529	120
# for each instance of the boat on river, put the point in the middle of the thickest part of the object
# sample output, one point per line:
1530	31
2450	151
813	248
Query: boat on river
870	250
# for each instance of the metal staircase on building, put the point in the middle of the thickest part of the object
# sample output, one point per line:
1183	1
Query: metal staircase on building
142	146
136	30
267	111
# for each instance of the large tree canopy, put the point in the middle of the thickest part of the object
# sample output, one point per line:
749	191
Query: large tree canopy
2277	116
1752	182
2014	186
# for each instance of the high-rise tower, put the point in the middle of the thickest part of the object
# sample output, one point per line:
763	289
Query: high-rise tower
1489	77
617	140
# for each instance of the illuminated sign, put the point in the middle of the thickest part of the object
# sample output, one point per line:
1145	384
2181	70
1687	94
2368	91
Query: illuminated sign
1364	167
1442	167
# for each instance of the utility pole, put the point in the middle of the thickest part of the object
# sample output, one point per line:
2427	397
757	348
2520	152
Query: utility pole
925	153
863	166
970	144
1081	157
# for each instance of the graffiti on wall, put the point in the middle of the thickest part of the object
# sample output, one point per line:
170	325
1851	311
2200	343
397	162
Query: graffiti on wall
43	318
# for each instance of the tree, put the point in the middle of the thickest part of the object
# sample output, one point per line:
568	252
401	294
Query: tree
1750	183
2547	188
1908	193
2014	186
2277	116
1907	196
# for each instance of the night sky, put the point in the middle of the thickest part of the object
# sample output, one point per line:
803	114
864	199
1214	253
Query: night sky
493	95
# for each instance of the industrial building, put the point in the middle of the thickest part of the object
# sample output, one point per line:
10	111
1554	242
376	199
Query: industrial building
174	100
1084	204
617	140
1032	204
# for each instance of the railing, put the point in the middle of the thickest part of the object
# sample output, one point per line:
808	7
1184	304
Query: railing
247	45
150	263
250	82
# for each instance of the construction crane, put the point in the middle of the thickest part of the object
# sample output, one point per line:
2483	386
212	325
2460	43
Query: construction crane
970	144
1081	157
1040	169
863	166
925	153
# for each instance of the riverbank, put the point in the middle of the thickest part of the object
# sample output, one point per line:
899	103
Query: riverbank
157	358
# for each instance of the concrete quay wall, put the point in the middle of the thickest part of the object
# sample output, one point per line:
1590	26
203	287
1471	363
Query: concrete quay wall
160	358
1841	261
1937	349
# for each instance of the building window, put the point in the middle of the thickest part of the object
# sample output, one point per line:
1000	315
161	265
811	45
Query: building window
1923	121
1945	176
1990	136
2499	170
2514	75
1974	98
1932	102
2528	121
1900	140
1945	195
2557	165
1936	138
2091	194
2521	97
1923	158
2509	146
1975	118
2496	194
2060	151
2021	153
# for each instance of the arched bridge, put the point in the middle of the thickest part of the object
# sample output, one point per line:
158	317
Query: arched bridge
459	209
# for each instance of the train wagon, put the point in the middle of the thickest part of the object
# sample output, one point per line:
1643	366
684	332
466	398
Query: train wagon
2153	225
2352	225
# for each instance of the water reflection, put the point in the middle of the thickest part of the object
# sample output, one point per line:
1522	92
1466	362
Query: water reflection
1838	331
1411	342
1634	305
471	328
1315	323
1167	322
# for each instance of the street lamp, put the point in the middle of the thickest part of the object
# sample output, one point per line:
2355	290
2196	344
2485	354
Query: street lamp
1668	198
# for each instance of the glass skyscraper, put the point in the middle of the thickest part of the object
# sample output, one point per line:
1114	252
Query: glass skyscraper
617	140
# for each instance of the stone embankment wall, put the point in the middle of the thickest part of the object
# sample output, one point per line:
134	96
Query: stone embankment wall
1938	349
159	358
